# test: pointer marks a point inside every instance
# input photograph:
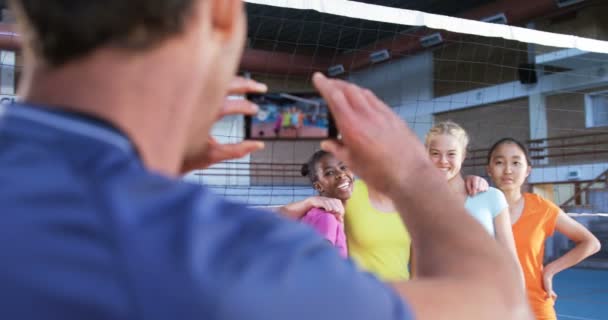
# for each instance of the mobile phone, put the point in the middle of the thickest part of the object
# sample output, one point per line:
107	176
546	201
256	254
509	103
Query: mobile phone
289	116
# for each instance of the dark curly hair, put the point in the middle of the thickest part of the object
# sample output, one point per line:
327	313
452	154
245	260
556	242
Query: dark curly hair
309	168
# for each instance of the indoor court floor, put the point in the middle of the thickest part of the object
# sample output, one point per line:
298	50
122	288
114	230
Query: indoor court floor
582	294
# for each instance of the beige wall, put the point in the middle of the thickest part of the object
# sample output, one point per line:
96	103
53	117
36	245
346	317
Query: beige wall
566	117
590	22
566	113
471	62
562	192
547	191
491	122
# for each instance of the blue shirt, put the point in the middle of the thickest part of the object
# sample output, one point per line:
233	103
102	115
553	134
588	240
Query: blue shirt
87	232
485	206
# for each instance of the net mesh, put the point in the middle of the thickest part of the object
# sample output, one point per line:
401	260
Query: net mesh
554	99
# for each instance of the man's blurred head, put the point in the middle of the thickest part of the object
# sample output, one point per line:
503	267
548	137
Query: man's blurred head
200	40
61	31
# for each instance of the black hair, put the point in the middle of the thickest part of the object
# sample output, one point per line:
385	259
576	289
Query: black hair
309	168
70	29
513	141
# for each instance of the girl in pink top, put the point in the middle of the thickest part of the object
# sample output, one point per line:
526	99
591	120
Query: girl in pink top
331	178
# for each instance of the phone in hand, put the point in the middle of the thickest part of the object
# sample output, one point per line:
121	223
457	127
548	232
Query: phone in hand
289	116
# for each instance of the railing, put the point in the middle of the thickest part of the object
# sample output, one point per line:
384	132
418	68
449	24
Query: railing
603	177
588	147
572	149
579	148
476	158
259	173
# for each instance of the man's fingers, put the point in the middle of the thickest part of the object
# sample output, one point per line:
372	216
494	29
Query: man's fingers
342	94
240	85
232	107
336	148
234	151
372	99
364	99
335	99
351	104
358	101
246	147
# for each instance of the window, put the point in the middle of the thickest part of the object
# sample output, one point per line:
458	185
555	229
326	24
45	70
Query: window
596	109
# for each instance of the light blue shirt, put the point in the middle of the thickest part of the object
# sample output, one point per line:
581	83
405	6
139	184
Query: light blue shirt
485	206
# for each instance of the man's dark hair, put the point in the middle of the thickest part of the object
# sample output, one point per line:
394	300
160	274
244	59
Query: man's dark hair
64	30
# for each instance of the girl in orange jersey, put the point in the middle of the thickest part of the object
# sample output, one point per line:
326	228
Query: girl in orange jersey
535	219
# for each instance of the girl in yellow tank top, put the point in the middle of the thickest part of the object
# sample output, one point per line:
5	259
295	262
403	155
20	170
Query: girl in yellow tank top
377	240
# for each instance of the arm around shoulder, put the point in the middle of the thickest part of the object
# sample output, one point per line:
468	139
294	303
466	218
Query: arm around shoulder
297	210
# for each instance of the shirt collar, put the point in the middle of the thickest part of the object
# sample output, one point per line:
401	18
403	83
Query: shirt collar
73	122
